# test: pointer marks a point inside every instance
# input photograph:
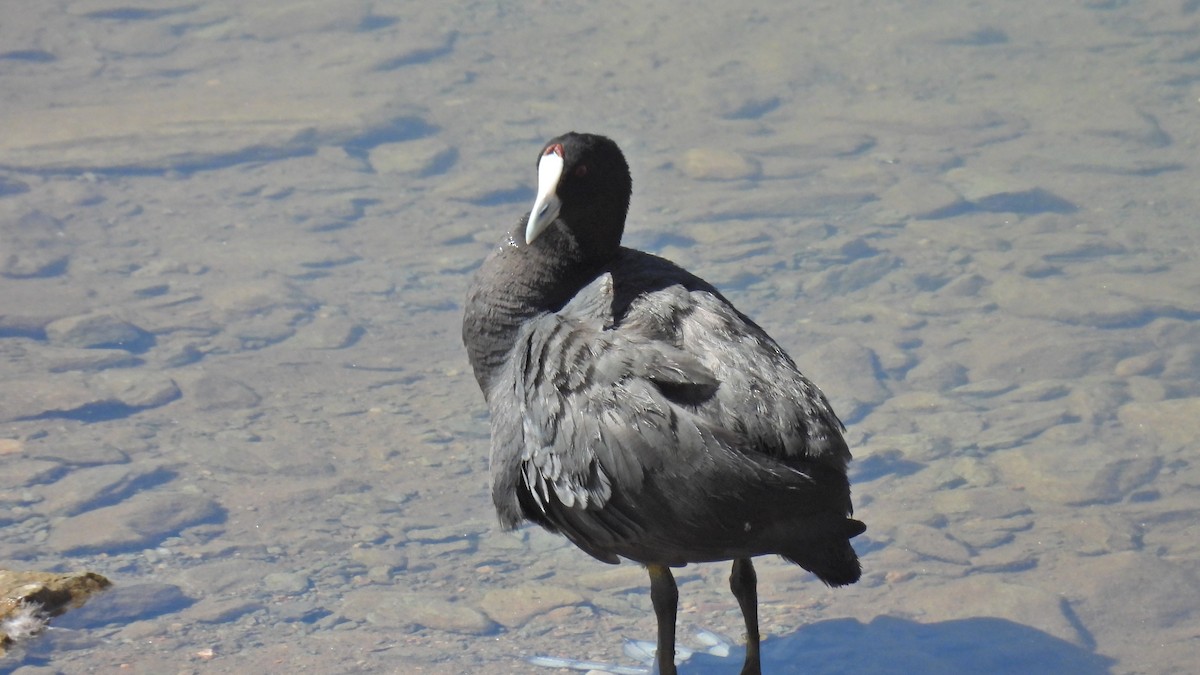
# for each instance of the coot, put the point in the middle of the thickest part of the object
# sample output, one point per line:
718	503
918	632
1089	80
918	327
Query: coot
635	411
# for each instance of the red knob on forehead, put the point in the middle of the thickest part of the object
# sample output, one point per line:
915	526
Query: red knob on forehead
555	149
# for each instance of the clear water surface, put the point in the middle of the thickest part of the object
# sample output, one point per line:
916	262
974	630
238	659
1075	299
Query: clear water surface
234	238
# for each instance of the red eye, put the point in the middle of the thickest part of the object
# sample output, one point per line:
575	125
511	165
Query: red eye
581	171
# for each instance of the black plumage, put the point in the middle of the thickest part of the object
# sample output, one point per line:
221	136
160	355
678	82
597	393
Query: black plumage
637	412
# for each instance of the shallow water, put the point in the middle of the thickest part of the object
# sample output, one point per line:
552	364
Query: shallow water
234	239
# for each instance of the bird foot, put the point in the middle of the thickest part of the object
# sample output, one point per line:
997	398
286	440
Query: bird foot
642	651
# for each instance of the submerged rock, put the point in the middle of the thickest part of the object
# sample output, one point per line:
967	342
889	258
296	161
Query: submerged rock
29	599
97	330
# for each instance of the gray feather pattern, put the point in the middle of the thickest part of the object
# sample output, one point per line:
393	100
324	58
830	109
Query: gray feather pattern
593	398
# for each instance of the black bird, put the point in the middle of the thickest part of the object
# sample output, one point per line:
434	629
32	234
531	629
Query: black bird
637	412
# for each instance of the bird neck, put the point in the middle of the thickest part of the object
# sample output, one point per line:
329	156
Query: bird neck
517	283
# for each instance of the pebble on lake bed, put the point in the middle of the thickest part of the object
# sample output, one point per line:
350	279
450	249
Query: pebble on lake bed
100	329
512	607
710	164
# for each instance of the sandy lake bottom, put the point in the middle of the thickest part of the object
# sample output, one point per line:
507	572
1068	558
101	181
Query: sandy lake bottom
234	240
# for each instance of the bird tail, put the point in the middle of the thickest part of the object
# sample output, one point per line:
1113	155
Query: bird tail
832	559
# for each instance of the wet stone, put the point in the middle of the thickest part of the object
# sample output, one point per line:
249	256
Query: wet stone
20	324
269	23
1146	389
847	370
74	396
381	574
421	157
1166	294
303	610
1174	422
622	577
1183	362
217	392
1096	401
1000	193
429	553
842	280
961	294
395	609
1045	472
1099	533
934	374
257	333
932	543
485	189
514	607
78	451
79	490
68	359
986	512
222	610
1038	390
711	164
32	245
227	577
1162	591
249	300
75	192
27	599
137	389
1017	360
286	582
735	104
97	330
53	591
242	452
390	559
950	430
838	144
177	317
977	473
190	127
895	359
138	39
21	472
885	315
371	534
179	354
982	535
448	533
921	448
140	522
985	387
1013	429
919	198
328	331
976	185
1061	300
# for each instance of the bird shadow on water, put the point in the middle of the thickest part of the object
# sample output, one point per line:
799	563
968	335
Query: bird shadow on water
892	645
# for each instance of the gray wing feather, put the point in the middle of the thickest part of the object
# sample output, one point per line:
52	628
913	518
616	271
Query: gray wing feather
589	416
763	396
603	400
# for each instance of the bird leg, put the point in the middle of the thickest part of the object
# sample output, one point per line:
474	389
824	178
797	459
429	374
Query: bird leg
743	582
664	595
